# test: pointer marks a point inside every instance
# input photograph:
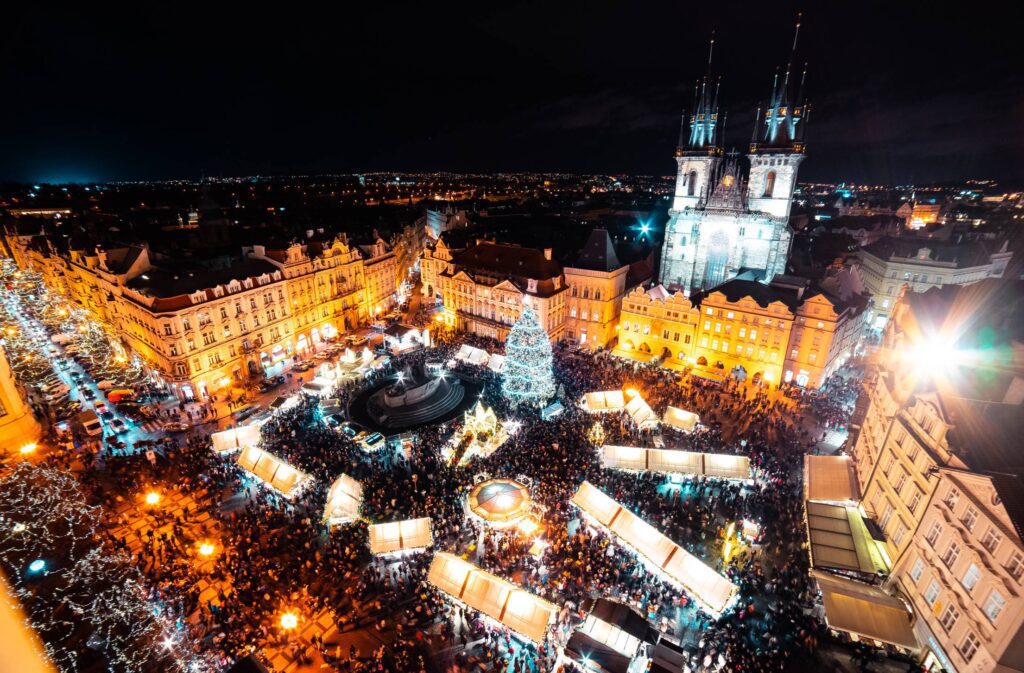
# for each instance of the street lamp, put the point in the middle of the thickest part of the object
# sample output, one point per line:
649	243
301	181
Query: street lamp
152	498
289	620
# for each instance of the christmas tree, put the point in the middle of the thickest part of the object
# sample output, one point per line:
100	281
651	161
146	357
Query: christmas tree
528	377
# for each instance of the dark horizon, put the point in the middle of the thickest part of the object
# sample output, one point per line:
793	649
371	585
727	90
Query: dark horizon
899	94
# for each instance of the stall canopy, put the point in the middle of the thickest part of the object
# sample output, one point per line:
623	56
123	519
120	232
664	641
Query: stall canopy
233	439
343	500
840	540
472	355
496	363
271	470
394	536
681	419
671	461
700	580
631	401
516	608
830	479
605	400
866	611
641	412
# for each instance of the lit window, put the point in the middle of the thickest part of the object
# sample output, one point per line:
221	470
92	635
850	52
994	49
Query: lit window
971	577
994	605
915	572
931	593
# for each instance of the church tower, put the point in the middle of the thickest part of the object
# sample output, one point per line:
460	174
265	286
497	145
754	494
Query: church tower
730	216
777	147
698	155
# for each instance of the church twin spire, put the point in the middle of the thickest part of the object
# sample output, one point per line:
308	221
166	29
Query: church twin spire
784	117
786	114
703	121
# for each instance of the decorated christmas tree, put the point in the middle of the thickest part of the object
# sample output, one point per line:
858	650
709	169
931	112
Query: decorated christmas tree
528	377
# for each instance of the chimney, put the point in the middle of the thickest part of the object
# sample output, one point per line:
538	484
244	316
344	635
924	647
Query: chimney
547	253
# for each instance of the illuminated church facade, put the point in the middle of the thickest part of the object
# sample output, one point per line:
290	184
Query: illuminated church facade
730	213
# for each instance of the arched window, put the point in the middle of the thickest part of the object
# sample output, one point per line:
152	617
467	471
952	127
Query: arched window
769	184
691	184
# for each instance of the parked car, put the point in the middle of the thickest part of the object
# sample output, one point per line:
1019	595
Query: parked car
88	393
118	426
269	384
175	426
246	412
301	366
359	341
372	442
334	421
353	431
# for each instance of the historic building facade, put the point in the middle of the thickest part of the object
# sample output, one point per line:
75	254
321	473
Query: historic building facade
18	426
729	215
485	286
598	282
935	446
783	332
207	328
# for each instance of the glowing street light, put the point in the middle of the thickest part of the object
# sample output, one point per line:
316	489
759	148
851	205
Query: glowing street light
28	448
152	498
206	549
289	621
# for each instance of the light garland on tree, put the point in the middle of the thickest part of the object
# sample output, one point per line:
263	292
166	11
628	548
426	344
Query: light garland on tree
528	378
77	595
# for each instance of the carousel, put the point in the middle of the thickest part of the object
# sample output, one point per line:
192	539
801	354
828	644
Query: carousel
502	503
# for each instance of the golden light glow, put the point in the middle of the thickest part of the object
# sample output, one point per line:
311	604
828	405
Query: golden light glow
29	448
206	549
152	498
289	620
528	526
632	392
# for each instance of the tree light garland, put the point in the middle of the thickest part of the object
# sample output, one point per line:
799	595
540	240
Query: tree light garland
528	378
85	601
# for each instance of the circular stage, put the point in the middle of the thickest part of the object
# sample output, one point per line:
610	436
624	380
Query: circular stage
499	502
413	399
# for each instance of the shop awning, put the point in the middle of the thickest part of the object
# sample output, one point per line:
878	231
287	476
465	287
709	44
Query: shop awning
830	479
864	610
713	591
393	536
516	608
840	539
595	655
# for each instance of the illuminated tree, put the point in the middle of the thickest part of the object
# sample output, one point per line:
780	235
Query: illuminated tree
528	373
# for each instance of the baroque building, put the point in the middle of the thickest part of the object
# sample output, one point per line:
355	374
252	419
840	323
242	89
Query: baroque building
731	214
935	441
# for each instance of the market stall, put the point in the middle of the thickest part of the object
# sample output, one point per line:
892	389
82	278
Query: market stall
681	419
235	439
343	501
397	536
673	461
711	590
521	611
272	471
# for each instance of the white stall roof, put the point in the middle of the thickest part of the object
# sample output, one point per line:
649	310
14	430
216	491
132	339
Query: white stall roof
671	461
713	591
496	363
271	470
641	412
237	438
830	479
516	608
343	500
604	400
399	535
681	419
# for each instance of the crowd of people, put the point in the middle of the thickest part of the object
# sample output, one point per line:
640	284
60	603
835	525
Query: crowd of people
276	553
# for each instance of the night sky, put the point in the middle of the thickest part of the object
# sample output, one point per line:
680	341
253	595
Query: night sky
900	92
